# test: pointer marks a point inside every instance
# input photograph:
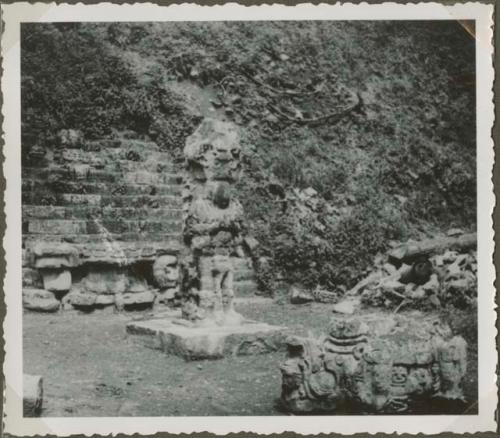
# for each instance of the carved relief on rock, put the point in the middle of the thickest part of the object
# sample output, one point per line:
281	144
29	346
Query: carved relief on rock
386	367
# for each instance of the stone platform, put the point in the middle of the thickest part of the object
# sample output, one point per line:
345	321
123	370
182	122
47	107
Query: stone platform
177	336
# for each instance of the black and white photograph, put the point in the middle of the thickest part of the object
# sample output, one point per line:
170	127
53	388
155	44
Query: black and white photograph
253	218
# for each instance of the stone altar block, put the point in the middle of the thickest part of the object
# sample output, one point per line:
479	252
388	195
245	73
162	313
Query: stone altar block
177	336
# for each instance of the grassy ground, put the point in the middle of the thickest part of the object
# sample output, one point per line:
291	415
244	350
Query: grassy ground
91	367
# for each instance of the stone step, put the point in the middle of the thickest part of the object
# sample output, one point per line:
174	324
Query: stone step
159	166
130	201
68	174
139	201
93	188
143	238
76	212
102	250
104	226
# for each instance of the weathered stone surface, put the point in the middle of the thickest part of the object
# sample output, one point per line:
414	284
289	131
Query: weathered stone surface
56	280
374	363
214	224
106	279
166	271
32	278
80	298
137	284
104	300
167	295
146	297
40	300
347	306
54	255
180	338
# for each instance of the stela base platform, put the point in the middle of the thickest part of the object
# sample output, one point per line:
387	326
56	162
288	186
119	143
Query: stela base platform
177	336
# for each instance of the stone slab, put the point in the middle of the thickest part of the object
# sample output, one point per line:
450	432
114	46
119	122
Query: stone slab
176	336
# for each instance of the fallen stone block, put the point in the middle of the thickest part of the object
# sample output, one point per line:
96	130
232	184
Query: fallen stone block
32	278
106	279
104	300
81	299
298	296
40	300
146	297
56	280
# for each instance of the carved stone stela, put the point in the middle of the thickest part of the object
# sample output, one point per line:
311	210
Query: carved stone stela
382	364
213	233
214	225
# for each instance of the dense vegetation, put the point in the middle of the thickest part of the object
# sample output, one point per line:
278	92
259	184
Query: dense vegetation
401	165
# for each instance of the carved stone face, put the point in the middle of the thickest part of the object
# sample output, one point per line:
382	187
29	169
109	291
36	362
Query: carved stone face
165	271
419	380
399	375
213	151
381	378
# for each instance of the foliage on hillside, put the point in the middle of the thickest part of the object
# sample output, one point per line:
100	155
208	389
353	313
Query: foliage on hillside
401	165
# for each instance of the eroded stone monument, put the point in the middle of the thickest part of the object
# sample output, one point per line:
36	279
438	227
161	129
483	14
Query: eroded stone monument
214	231
380	365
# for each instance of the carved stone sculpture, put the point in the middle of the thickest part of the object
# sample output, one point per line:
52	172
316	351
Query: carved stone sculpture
166	275
214	225
373	367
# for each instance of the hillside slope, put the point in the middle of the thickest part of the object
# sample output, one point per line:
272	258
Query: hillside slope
400	164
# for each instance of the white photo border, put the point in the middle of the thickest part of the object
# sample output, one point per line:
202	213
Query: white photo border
15	424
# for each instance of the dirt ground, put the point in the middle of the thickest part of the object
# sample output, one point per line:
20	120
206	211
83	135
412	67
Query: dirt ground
91	367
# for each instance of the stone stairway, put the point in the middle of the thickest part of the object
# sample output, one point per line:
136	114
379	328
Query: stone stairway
125	192
118	203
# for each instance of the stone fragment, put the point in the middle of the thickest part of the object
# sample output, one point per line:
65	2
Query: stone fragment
70	139
55	255
137	284
453	271
56	280
32	278
166	295
104	300
392	285
432	286
40	300
251	243
81	299
347	306
106	279
298	296
146	297
454	232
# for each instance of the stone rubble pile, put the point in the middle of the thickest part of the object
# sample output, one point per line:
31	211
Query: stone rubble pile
446	278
